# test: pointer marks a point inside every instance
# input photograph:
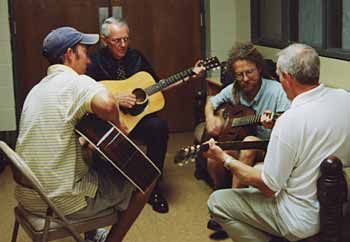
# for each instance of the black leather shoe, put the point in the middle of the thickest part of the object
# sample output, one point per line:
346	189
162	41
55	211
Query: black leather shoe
213	225
219	235
158	202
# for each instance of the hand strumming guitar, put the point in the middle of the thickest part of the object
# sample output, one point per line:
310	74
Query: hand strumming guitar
214	125
126	100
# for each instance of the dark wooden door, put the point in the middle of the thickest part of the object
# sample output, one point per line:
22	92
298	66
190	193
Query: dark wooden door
166	31
33	20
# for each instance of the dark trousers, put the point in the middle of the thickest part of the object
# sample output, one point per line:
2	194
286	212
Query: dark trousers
2	162
153	132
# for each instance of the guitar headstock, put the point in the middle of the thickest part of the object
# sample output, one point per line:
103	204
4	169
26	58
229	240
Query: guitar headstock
188	154
210	63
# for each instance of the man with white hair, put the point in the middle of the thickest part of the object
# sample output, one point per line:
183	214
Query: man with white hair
281	200
117	61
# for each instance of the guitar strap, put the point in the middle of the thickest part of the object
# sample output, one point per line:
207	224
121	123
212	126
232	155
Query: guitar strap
235	93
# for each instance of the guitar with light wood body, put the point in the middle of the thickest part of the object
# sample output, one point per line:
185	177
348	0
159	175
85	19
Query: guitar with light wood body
149	98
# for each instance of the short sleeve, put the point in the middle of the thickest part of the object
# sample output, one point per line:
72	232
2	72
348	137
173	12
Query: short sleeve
279	161
85	89
224	96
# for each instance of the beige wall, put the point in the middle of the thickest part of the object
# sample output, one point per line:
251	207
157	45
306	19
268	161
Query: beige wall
7	104
334	73
230	21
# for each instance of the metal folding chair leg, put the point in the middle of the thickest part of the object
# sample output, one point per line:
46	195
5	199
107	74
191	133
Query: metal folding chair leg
15	231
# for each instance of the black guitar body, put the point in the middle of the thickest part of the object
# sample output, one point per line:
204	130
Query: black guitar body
117	149
229	133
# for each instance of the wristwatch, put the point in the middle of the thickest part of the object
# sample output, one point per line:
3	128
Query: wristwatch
228	160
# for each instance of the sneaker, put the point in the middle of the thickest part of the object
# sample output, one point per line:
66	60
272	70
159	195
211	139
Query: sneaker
98	235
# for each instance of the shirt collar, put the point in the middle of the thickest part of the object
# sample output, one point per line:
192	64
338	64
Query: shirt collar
108	54
60	68
257	97
307	96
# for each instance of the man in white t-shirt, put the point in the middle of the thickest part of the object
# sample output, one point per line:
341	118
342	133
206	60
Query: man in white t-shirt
281	199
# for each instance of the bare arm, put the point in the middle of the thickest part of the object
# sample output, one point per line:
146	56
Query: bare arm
213	123
246	174
105	106
250	176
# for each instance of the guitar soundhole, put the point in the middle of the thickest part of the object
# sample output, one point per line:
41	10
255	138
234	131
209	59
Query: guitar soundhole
141	96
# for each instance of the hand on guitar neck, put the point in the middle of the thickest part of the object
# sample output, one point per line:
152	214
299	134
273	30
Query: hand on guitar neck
214	151
214	125
188	154
197	71
128	100
267	119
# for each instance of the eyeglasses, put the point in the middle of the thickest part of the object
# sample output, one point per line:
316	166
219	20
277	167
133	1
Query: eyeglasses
119	41
249	73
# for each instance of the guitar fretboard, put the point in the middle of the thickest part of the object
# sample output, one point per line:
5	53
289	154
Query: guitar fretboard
251	119
170	80
247	120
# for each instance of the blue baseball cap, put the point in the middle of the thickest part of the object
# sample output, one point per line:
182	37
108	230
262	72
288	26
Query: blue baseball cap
59	40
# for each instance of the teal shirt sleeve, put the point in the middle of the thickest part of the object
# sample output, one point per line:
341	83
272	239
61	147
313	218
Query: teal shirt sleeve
224	96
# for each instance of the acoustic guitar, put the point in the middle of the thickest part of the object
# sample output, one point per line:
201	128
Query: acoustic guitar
117	149
239	122
189	154
246	120
149	98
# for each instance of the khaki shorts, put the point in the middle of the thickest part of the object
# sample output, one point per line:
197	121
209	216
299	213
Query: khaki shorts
114	192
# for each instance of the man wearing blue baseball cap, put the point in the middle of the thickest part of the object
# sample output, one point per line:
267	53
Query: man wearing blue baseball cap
52	150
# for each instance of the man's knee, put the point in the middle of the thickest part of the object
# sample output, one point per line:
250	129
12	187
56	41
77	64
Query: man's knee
249	156
251	138
215	205
212	203
159	127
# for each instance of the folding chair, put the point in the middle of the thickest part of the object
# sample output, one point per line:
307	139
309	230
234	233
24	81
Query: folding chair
52	225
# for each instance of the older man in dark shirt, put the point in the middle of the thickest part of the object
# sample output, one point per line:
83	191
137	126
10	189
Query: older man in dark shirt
117	61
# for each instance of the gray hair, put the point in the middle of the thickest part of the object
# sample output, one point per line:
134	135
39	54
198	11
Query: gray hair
109	21
301	61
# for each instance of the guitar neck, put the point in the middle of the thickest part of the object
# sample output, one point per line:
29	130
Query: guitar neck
238	145
247	120
168	81
251	120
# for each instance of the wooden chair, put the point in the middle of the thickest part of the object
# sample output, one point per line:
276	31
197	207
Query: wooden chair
52	225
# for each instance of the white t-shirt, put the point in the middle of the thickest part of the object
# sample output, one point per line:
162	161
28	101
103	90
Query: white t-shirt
316	126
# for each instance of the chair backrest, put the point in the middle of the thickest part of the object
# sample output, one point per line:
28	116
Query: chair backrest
23	170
